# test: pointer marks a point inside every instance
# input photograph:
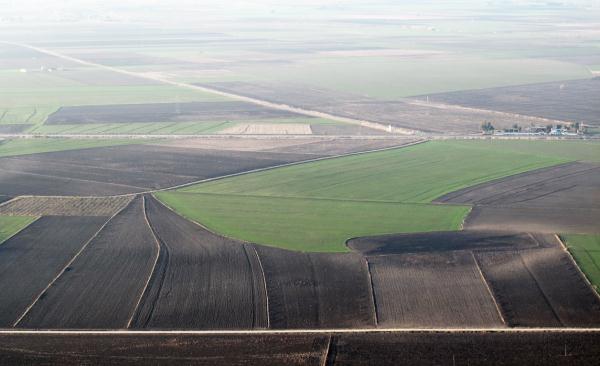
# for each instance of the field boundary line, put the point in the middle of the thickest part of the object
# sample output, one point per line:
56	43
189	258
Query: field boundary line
151	272
206	180
537	284
10	200
77	179
327	354
264	281
574	262
212	90
62	271
489	289
375	317
296	331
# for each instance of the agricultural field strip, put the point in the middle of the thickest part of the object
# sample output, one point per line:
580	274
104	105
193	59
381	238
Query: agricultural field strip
583	275
487	286
65	267
282	166
70	178
78	165
151	272
444	106
262	273
263	103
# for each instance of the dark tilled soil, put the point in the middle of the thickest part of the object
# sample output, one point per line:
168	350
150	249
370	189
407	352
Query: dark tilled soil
551	200
102	287
440	241
418	348
314	290
125	169
575	100
517	292
164	112
406	114
572	299
432	290
201	280
30	260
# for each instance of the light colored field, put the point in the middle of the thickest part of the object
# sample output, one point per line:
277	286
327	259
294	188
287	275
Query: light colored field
238	143
586	251
41	145
267	129
10	225
64	206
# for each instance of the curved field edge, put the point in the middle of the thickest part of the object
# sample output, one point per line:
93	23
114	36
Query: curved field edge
11	225
586	252
318	206
314	225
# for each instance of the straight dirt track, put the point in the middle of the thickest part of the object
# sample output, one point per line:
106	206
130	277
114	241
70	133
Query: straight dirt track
304	348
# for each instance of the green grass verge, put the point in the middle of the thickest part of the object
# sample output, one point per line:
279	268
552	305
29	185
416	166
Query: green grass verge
314	225
586	251
41	145
317	206
10	225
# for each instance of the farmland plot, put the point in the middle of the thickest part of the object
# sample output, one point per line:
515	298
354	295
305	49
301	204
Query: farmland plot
517	292
572	100
102	287
124	169
317	290
201	280
31	259
440	241
64	206
555	199
434	290
164	112
400	113
572	299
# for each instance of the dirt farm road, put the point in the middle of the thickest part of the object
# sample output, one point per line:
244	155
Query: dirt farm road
264	103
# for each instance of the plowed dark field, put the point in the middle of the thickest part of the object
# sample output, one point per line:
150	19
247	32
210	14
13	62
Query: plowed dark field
316	290
102	287
164	112
125	169
4	198
432	290
575	100
30	260
201	280
403	113
440	241
415	348
556	199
